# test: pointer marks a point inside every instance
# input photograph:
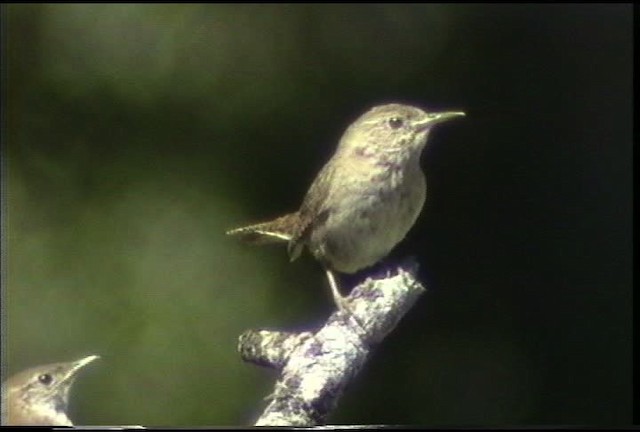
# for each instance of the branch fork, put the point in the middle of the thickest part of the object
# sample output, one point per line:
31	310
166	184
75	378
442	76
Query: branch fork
315	367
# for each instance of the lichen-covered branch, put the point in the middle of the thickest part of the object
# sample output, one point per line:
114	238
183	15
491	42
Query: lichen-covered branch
269	348
316	367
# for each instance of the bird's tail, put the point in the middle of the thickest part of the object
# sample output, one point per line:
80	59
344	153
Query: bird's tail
273	231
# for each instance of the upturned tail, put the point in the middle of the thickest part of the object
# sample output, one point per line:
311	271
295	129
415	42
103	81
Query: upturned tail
274	231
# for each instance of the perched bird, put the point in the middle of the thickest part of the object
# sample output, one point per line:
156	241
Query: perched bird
366	197
40	395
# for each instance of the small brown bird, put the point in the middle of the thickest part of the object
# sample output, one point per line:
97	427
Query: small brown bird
365	199
39	396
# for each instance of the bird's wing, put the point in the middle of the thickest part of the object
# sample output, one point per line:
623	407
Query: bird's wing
312	211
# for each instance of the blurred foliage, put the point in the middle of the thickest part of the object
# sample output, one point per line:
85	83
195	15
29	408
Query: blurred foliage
136	134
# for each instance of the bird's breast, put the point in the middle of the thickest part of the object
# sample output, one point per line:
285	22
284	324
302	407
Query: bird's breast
368	215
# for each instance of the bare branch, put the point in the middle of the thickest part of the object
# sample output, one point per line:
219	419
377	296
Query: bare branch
315	368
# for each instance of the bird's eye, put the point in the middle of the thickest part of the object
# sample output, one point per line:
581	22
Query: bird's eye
396	122
45	379
432	115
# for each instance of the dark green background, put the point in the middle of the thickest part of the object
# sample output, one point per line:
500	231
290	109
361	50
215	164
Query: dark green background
135	135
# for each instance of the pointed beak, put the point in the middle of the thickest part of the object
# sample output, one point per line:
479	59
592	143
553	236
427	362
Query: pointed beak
79	364
434	118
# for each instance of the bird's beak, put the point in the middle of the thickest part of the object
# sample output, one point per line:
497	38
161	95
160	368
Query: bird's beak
77	365
434	118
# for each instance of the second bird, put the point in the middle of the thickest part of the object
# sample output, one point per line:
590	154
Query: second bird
365	199
39	396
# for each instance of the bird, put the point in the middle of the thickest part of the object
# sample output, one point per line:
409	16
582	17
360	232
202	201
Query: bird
364	200
39	396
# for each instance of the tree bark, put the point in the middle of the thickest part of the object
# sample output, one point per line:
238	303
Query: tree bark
317	366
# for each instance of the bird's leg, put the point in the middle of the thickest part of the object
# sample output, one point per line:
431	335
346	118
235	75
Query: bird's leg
339	300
